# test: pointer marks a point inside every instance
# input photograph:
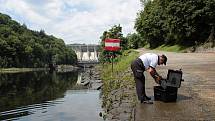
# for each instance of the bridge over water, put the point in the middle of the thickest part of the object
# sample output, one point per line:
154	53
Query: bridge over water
86	53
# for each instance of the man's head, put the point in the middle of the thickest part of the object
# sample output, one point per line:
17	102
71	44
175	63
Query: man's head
162	59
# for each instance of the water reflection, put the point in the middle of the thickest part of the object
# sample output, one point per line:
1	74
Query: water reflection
23	94
26	110
20	89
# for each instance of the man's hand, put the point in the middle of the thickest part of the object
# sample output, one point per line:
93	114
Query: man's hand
158	79
155	75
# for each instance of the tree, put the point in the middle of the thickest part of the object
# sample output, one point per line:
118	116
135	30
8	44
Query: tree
135	41
182	22
115	33
18	44
149	23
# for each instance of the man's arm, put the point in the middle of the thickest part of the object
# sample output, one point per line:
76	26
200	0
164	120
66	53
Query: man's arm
154	74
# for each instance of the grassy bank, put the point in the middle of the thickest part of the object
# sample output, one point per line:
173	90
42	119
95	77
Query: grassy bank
123	63
172	48
206	47
119	79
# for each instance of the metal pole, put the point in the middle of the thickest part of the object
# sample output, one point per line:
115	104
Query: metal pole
112	62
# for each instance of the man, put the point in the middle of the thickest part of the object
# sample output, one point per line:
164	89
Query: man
146	62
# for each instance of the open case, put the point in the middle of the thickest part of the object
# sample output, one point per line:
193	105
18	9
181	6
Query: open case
173	82
174	78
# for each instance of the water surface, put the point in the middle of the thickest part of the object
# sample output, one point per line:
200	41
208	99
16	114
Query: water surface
47	96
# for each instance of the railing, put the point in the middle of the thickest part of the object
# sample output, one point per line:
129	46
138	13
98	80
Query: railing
88	62
86	52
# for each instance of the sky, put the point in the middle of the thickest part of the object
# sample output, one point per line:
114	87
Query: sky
74	21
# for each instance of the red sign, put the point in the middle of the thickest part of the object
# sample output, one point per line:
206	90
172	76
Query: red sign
112	44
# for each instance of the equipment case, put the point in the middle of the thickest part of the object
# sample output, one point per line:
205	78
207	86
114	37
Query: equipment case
173	82
166	95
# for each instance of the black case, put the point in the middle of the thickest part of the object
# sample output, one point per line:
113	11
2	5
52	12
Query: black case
173	82
166	95
174	78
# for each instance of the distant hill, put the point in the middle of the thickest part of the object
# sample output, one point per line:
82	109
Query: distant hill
22	47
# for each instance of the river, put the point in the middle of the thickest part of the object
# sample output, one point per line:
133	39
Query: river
47	96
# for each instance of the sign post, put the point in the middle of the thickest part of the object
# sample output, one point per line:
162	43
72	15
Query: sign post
112	45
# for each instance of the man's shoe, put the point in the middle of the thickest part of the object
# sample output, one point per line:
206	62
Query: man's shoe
148	102
145	98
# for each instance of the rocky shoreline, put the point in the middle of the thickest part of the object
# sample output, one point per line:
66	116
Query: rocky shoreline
90	78
119	104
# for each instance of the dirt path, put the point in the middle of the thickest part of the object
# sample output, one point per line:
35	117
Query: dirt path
196	96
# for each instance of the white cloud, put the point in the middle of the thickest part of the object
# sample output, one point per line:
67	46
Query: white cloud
75	21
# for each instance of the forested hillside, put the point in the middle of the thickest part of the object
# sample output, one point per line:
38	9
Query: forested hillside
21	47
171	22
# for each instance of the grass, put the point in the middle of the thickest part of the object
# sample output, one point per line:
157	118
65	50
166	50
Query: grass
118	79
123	63
174	48
170	48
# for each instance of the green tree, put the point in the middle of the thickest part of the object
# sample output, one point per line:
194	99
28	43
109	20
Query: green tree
135	41
21	47
182	22
115	33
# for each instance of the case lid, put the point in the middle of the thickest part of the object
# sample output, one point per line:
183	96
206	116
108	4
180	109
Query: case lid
174	78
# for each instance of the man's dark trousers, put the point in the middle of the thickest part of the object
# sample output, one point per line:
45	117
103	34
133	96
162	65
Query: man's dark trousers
138	68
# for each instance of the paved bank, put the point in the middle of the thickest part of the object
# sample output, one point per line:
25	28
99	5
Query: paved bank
196	97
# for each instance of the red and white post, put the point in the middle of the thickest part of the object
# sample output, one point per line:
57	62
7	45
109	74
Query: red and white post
112	45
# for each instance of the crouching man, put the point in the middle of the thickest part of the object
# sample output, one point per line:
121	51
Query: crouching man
146	62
